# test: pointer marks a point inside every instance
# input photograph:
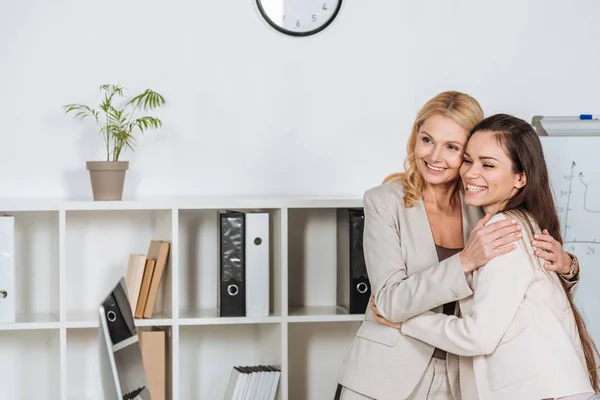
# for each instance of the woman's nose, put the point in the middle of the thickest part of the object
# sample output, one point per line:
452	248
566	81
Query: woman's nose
470	171
436	155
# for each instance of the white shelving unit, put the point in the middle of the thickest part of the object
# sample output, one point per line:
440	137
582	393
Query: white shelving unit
70	254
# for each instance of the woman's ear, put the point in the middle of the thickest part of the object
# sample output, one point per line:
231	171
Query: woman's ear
521	180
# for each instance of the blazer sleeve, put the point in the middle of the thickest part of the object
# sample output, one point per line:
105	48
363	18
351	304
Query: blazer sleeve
397	295
572	283
500	290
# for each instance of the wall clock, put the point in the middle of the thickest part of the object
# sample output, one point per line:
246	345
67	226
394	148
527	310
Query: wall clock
299	17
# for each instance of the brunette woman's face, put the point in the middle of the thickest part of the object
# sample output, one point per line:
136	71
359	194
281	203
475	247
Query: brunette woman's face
439	150
487	173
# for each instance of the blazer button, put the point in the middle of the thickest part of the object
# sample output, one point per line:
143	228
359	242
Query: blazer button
455	296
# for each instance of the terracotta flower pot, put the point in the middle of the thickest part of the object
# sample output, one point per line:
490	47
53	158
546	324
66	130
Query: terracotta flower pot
108	179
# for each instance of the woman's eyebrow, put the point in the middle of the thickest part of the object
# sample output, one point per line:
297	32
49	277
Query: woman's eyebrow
487	158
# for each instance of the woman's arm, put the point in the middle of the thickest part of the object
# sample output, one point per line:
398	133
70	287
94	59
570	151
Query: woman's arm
399	296
501	287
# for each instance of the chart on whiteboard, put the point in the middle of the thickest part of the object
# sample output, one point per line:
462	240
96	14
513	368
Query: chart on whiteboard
574	165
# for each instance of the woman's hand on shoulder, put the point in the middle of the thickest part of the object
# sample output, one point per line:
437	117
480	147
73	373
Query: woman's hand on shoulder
552	251
489	241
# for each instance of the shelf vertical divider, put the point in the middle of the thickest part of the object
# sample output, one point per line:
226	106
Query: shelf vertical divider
284	304
62	303
174	378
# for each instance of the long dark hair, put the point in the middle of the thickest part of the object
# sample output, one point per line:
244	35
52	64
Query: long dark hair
523	146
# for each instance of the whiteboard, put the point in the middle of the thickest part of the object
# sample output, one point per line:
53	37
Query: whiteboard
574	166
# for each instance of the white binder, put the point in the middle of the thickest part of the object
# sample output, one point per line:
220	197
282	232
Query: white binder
7	268
257	264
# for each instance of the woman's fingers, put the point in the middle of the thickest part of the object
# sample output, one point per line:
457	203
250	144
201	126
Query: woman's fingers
551	267
543	245
504	240
507	228
385	322
381	320
375	310
499	225
546	255
481	223
498	251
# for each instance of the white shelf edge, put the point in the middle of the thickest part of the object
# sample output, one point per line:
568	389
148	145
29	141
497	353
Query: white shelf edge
229	321
325	318
175	381
85	324
166	322
208	203
29	326
63	364
285	348
285	356
35	321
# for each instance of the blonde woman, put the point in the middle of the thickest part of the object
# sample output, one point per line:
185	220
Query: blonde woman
421	244
521	325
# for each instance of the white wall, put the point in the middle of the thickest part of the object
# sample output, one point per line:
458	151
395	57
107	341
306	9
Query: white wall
252	111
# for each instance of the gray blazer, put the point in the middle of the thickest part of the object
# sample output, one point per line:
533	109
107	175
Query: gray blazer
406	280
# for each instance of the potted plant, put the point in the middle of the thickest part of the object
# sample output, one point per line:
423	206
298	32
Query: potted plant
117	125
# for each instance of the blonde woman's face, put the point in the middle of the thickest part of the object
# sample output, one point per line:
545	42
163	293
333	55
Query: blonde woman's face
439	150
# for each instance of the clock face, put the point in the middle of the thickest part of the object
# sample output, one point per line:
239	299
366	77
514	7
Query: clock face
299	17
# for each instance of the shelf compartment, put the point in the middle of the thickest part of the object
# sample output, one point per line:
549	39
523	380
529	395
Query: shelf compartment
37	266
199	265
84	368
318	265
30	365
313	376
209	353
98	246
87	363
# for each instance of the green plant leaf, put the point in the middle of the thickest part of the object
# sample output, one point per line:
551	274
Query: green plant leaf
147	100
145	123
116	123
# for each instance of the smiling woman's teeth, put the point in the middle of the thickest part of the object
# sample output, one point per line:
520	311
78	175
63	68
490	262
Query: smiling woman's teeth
435	168
472	188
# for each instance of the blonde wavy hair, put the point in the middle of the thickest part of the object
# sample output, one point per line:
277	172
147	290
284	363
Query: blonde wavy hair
458	107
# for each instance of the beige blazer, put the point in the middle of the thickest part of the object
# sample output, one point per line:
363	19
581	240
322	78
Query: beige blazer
518	327
406	280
